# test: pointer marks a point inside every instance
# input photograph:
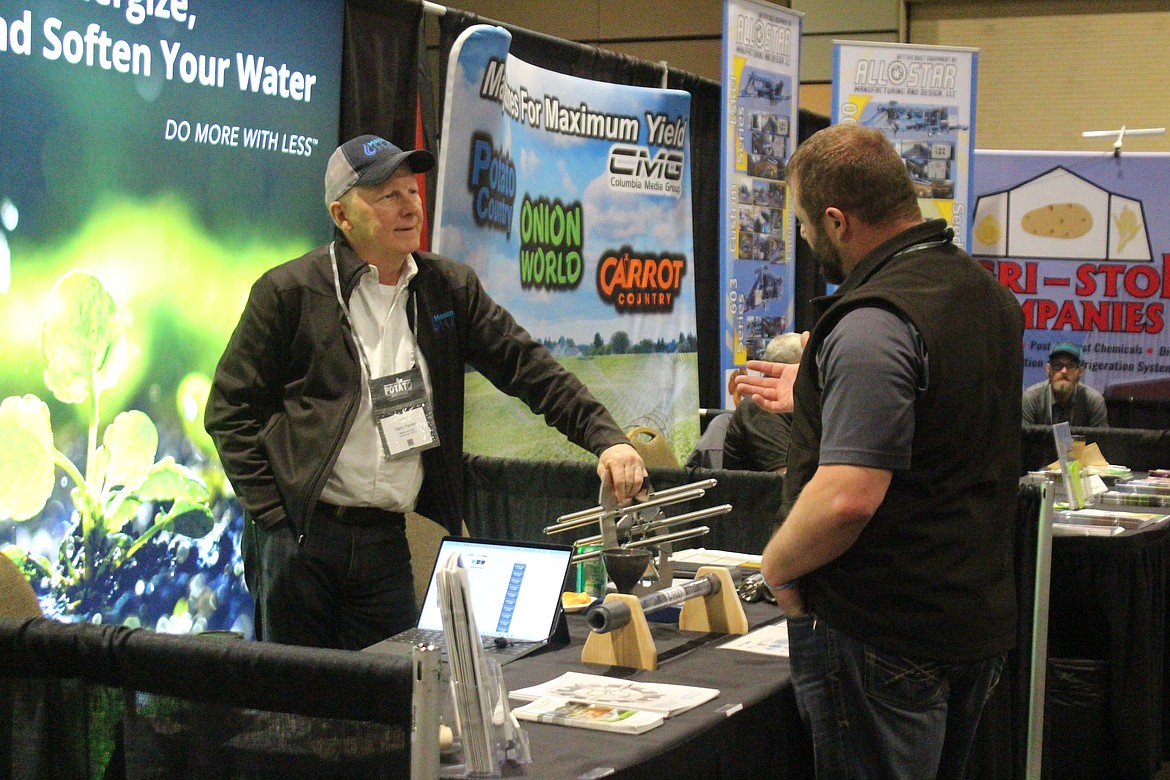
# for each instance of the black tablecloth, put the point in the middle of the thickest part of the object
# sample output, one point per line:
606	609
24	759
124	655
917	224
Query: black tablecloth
1108	603
750	730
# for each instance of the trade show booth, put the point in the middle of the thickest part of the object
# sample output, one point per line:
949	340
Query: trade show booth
80	698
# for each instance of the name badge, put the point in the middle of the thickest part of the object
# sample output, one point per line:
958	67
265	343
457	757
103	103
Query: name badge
403	414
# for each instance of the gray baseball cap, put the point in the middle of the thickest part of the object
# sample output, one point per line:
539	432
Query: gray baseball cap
368	160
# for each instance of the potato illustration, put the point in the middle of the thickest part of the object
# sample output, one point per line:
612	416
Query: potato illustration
1058	220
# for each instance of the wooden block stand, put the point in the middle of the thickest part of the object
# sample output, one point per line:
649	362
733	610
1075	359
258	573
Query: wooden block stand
633	646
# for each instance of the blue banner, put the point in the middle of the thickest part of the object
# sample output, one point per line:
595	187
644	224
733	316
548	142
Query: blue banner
761	83
572	201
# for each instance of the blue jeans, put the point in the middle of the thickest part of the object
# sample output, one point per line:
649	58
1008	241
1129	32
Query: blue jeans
875	714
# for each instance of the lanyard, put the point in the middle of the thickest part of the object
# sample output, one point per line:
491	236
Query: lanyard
353	328
367	370
918	247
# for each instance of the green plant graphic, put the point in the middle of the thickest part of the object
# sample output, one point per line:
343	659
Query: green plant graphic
84	346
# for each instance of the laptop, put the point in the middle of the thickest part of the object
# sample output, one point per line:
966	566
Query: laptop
515	592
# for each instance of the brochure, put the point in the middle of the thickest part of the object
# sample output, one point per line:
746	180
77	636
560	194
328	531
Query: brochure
1157	486
580	714
1121	498
1104	517
660	698
766	640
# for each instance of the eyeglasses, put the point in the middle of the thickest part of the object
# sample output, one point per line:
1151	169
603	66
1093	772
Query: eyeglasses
1063	365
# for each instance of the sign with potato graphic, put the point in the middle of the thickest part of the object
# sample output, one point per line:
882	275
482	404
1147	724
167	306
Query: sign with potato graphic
1083	240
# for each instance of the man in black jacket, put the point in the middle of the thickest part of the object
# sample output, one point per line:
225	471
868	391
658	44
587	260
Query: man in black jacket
337	407
893	560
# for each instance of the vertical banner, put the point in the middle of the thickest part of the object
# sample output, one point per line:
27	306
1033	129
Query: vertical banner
155	159
572	201
923	99
1083	240
761	80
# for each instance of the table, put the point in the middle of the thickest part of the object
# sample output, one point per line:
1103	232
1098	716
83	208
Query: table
1108	603
751	729
1107	608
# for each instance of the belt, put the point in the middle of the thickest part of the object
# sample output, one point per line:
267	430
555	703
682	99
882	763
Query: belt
358	515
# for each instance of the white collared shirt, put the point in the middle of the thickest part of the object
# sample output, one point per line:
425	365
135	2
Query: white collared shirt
362	476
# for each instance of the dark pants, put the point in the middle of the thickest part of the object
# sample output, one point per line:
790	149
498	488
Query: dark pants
882	716
349	585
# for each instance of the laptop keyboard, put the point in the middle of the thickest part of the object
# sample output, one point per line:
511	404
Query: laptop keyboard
436	637
418	636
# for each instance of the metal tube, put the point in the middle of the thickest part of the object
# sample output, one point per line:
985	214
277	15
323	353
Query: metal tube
653	541
608	617
661	498
426	708
569	525
700	514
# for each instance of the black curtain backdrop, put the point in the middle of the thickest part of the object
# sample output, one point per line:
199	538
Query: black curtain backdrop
380	57
384	78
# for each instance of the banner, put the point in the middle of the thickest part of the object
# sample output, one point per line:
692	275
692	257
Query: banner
572	201
155	158
1083	240
923	99
761	81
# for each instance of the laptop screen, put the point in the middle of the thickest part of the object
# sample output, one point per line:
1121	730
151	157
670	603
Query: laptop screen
515	586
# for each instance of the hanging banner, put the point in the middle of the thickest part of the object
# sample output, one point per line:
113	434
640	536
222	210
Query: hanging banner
1083	240
155	159
571	199
923	99
761	80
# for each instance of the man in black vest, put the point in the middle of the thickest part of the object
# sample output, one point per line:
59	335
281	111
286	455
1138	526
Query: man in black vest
893	560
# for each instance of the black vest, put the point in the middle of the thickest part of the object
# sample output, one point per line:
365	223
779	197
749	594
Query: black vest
931	574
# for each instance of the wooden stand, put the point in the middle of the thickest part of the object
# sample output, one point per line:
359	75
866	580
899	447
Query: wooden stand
633	646
721	613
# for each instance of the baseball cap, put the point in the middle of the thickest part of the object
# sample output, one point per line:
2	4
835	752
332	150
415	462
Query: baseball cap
368	160
1068	348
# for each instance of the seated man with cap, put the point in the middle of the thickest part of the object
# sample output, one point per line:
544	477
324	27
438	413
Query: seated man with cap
1063	397
337	407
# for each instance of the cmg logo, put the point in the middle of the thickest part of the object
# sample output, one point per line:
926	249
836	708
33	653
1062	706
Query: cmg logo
636	161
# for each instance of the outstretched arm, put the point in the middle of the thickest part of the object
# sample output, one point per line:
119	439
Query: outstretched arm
773	390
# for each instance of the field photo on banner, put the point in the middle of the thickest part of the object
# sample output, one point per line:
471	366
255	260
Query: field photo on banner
571	199
155	159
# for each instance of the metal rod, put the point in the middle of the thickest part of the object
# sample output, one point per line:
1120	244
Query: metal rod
661	498
690	533
569	525
698	514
